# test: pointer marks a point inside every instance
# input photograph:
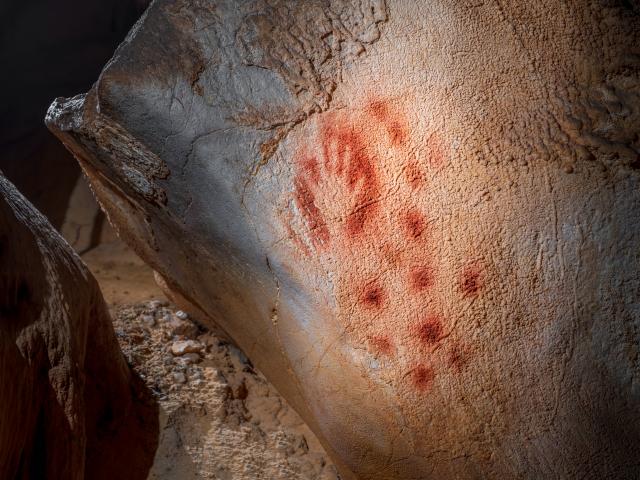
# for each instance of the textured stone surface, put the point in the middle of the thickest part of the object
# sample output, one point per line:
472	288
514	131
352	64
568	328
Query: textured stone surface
69	405
418	219
219	418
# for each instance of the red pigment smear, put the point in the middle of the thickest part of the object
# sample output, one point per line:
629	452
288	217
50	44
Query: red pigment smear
429	331
415	177
422	377
346	155
414	223
397	133
396	129
381	345
373	295
305	199
421	278
471	281
310	167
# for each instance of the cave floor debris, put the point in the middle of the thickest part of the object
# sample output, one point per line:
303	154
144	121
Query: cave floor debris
219	417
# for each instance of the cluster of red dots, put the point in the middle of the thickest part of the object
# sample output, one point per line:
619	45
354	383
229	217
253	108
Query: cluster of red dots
344	156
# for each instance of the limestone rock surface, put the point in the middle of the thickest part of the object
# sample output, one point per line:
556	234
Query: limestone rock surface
70	408
420	220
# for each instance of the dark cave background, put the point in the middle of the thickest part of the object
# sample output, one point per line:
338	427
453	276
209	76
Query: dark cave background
49	49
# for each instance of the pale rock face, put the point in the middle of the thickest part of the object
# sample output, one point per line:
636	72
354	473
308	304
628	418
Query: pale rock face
418	219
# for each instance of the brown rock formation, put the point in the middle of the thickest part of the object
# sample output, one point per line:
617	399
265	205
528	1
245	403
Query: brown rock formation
70	408
418	219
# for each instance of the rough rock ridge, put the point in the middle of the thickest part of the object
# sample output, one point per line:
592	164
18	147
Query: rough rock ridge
70	407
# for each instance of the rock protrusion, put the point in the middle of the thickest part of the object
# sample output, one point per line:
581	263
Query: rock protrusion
70	407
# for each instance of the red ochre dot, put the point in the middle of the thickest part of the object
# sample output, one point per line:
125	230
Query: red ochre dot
396	132
421	278
422	377
429	331
471	281
414	223
373	295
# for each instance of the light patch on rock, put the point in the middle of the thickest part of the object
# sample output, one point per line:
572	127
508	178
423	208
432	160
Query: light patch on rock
220	418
